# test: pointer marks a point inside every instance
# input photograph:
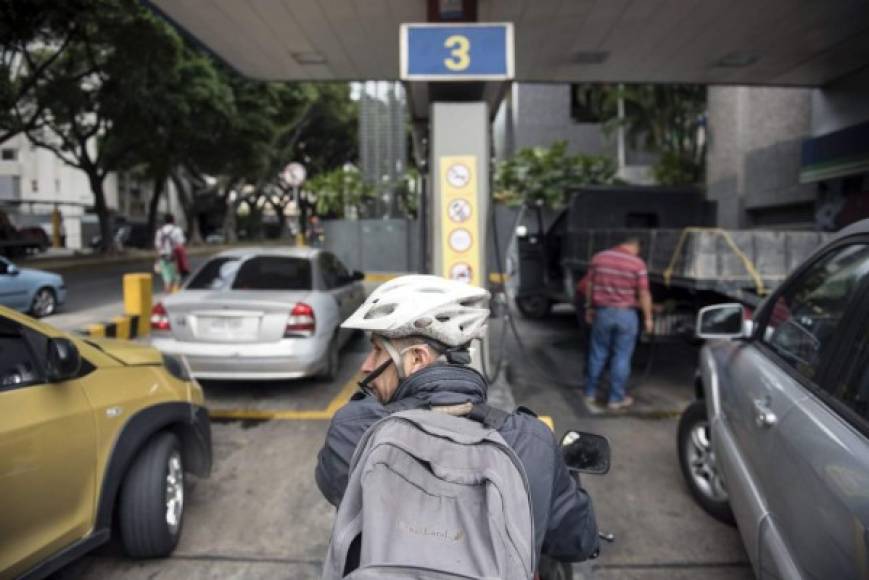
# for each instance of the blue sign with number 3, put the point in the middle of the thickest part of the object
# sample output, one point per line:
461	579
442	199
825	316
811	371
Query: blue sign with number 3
460	52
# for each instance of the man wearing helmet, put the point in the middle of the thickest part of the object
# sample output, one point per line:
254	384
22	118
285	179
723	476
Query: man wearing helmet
421	328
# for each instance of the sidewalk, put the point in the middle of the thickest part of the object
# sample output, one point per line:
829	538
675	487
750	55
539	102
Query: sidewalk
63	259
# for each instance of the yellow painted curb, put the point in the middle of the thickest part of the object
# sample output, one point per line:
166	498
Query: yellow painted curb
383	276
96	330
335	404
122	327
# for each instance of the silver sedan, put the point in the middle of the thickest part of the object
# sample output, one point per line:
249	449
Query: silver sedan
260	313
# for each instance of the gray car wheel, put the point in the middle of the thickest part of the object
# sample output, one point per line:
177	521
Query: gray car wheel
333	360
44	303
535	306
697	460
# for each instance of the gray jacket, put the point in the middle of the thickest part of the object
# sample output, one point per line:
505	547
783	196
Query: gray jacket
564	522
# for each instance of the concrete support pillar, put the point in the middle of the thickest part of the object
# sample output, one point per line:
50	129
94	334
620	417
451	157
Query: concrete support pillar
460	152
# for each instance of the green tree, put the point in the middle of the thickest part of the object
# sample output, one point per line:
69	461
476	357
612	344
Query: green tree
339	190
33	36
668	119
547	174
276	123
105	92
196	108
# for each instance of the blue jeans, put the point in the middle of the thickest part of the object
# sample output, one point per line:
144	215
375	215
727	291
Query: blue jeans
614	332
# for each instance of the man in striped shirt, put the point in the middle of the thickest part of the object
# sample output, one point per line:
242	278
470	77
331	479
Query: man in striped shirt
618	283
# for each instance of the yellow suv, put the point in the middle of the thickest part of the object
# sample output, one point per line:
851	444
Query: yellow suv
92	432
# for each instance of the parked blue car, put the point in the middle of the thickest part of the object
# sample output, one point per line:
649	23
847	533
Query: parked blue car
33	291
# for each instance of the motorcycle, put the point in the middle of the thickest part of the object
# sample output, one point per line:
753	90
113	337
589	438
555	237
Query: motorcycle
583	453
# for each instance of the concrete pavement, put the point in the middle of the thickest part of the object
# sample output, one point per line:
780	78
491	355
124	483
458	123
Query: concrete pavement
260	515
660	531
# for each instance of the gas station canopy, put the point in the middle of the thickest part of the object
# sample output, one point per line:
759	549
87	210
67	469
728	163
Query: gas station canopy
747	42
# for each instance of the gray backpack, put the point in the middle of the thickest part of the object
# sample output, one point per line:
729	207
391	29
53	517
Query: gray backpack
434	496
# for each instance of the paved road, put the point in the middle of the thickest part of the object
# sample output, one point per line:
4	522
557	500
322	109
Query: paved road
260	515
95	293
660	532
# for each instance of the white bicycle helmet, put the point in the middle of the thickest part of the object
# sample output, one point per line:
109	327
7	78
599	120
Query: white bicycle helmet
449	312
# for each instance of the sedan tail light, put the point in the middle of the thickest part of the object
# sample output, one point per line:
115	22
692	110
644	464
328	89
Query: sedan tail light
301	321
160	318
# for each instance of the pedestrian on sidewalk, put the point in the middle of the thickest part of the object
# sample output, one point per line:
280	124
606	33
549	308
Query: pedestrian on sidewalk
169	243
618	283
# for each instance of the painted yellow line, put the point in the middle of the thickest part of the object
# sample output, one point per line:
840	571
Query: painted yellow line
382	276
497	277
344	395
547	420
268	415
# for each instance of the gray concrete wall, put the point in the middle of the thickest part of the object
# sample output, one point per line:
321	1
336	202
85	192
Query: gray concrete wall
537	115
460	129
753	156
374	245
842	104
543	117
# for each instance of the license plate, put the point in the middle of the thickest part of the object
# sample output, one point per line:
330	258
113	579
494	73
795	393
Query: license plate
230	327
226	324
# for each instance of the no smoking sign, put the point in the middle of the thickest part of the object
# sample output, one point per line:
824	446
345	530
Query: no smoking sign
459	210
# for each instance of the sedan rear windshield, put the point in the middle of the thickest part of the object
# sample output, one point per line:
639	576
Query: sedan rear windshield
273	273
215	275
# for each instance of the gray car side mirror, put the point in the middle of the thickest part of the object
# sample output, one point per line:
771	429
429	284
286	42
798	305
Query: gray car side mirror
723	321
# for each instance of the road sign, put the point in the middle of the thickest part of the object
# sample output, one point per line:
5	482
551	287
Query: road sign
459	210
294	174
459	227
450	52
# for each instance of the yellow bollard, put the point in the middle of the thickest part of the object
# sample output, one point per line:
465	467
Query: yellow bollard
96	330
56	225
138	292
122	327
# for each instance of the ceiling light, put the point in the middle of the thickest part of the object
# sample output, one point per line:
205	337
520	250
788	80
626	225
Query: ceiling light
309	58
590	57
736	59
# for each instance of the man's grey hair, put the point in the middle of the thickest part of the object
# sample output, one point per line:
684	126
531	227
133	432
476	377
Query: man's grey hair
408	341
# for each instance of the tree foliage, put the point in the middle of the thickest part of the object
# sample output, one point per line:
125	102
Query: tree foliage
547	174
108	86
339	191
670	120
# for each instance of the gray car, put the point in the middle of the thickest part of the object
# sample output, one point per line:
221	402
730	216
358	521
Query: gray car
260	313
779	441
35	292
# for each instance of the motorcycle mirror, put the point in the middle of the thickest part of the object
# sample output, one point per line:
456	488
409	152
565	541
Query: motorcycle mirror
586	452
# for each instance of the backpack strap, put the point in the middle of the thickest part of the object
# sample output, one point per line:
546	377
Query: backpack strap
489	416
405	405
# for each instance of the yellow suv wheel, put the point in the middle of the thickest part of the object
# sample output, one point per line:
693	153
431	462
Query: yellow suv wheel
152	499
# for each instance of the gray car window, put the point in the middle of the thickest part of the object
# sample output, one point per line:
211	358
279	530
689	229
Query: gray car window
804	318
330	273
273	273
212	276
341	272
853	391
